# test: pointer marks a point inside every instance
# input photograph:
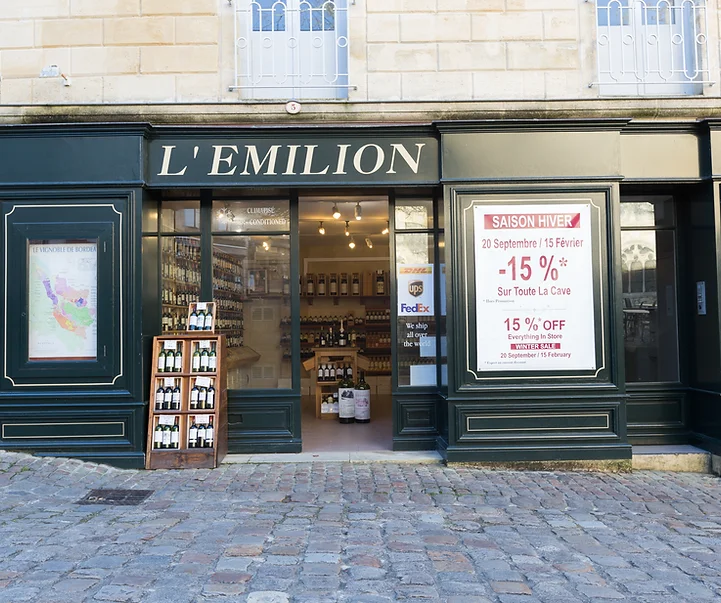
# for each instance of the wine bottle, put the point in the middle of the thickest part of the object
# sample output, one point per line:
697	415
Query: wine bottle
169	361
326	373
159	397
193	322
349	372
161	361
166	437
355	285
202	397
344	284
178	364
201	436
341	336
309	287
339	373
210	399
209	434
380	283
204	360
175	434
321	376
208	320
362	399
346	405
168	398
193	435
158	436
333	284
176	398
194	395
200	320
196	360
321	284
212	361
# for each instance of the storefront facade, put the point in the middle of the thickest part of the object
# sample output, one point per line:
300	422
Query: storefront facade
548	346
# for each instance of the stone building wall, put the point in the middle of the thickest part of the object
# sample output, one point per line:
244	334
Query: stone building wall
181	51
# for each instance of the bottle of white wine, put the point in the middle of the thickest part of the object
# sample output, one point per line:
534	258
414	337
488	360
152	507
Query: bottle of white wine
193	435
204	360
196	360
168	398
169	361
175	434
176	398
161	361
178	364
158	437
209	434
159	397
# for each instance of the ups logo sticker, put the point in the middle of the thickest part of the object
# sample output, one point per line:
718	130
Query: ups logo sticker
415	288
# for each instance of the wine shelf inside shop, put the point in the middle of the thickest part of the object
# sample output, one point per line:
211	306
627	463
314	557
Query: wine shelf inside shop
181	287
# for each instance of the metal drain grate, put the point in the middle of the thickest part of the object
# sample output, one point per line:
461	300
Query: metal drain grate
115	497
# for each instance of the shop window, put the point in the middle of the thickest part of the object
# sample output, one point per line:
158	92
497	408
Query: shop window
652	47
417	326
291	49
648	259
251	289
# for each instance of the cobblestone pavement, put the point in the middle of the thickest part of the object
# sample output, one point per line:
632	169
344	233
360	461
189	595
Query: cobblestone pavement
363	533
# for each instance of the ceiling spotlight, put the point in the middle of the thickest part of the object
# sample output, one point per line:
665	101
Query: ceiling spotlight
369	243
386	230
352	243
336	213
321	230
347	232
358	214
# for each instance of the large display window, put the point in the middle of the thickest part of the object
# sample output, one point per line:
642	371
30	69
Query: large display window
650	319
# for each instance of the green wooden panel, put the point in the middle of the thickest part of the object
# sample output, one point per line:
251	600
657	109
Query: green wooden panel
55	430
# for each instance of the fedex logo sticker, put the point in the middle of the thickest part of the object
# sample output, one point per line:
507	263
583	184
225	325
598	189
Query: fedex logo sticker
415	290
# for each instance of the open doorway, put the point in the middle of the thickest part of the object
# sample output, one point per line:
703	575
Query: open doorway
345	319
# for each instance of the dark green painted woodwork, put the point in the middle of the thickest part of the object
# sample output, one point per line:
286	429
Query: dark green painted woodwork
96	221
415	421
577	415
58	395
464	376
657	418
530	150
91	154
369	156
499	155
263	422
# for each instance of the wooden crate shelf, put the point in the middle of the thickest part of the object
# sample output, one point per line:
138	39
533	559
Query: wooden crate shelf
184	456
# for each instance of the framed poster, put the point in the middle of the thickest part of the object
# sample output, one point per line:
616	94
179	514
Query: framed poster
532	290
62	299
534	287
66	293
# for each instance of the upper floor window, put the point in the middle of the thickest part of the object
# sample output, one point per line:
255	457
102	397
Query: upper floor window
652	47
291	49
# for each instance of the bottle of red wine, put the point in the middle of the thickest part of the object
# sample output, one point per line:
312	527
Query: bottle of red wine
362	399
346	404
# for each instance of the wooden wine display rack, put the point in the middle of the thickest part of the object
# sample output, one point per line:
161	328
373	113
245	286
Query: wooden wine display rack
321	355
184	457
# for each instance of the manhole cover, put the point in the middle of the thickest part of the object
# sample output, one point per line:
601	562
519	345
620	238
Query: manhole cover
115	497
